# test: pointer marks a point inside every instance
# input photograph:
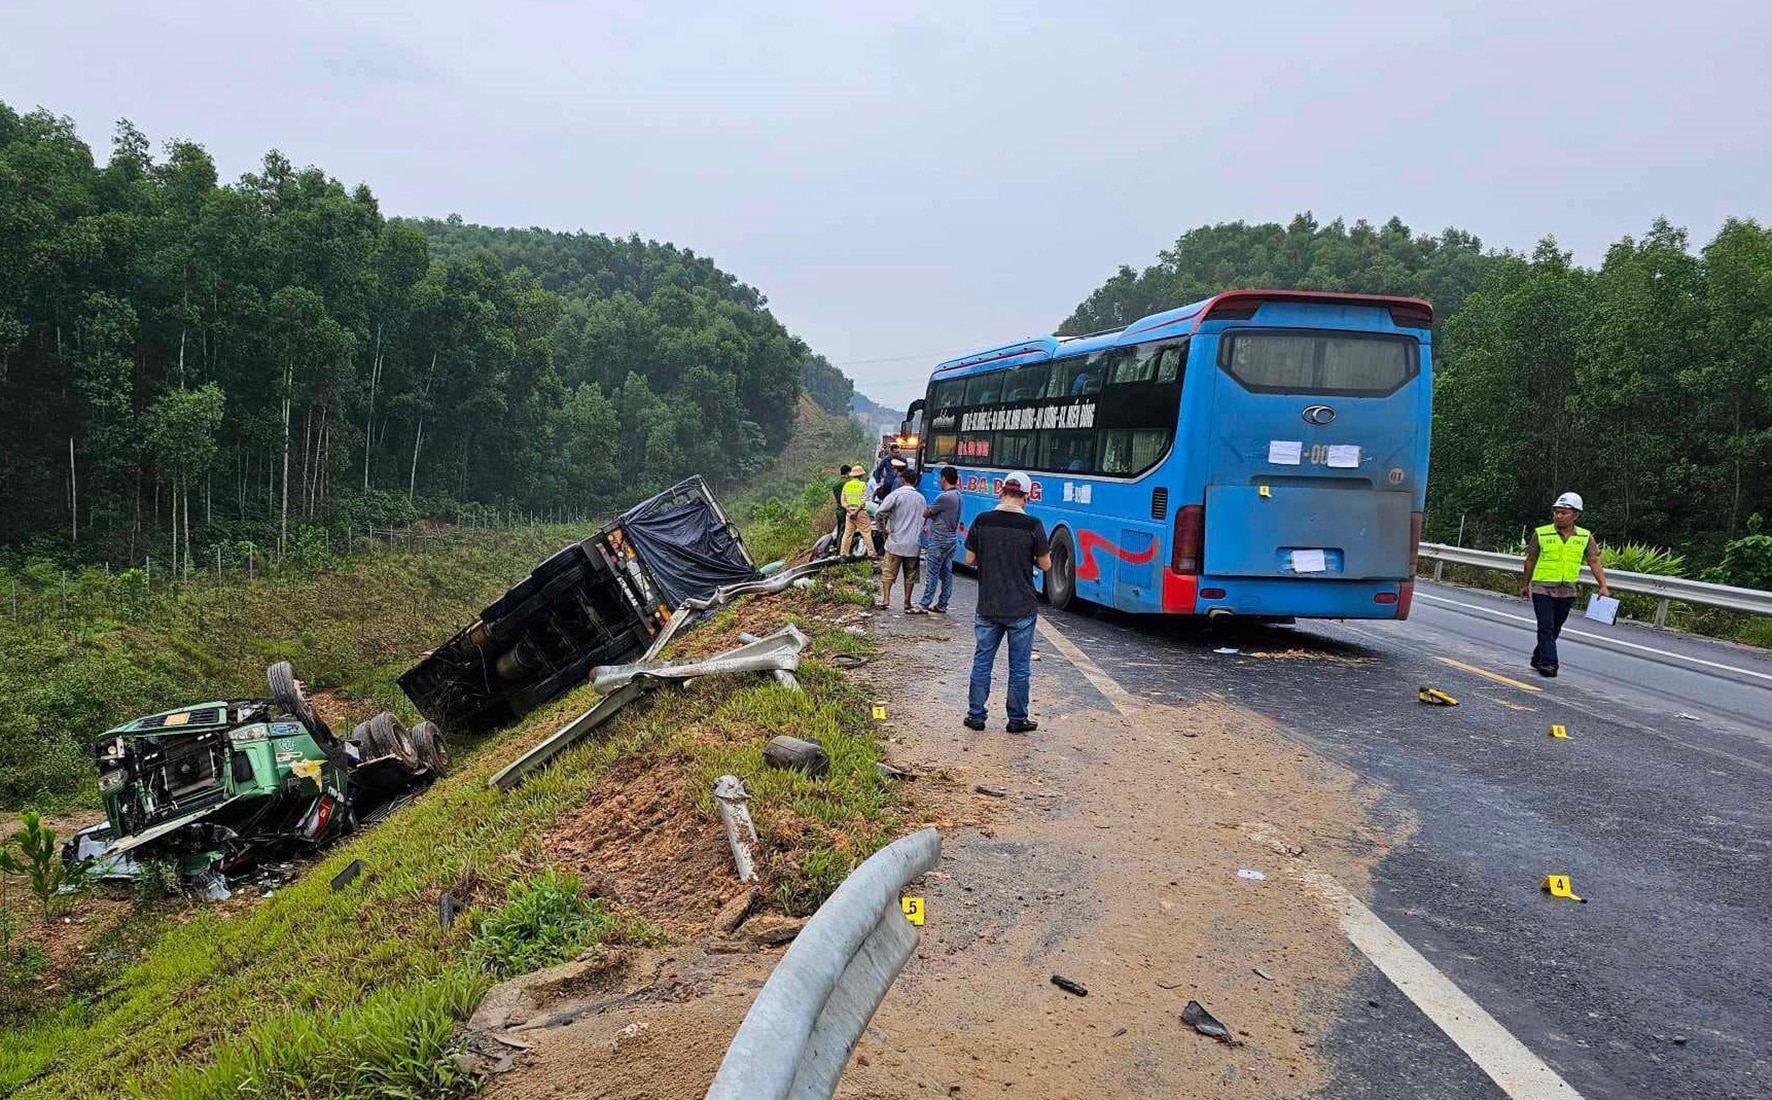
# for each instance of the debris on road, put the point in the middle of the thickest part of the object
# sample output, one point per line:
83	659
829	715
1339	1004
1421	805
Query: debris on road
347	876
991	792
795	754
1070	986
1251	874
893	771
1260	973
734	912
1196	1017
1688	717
1226	649
1435	697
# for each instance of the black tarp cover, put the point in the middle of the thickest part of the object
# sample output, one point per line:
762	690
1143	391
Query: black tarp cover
686	546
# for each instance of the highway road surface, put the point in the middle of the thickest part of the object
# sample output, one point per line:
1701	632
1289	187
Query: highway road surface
1658	805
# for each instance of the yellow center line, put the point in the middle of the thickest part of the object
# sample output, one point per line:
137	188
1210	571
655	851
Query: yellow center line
1487	675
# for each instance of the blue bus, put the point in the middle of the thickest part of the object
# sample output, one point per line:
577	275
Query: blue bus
1260	453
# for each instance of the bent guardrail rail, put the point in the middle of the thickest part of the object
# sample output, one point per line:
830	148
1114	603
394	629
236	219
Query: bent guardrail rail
797	1037
1749	600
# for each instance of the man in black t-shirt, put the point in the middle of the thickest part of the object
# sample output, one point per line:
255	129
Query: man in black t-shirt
1005	544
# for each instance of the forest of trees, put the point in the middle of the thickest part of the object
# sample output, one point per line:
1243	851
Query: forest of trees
1645	384
184	360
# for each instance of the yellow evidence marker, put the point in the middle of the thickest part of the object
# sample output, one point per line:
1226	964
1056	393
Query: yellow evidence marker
879	712
1266	492
1435	697
1560	732
1557	886
913	910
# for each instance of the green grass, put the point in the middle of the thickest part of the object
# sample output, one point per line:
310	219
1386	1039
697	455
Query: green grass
356	993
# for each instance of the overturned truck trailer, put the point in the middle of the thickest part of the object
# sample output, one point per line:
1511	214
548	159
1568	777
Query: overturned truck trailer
596	602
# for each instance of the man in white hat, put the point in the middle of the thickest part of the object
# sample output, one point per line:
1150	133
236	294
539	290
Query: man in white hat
1554	558
1006	544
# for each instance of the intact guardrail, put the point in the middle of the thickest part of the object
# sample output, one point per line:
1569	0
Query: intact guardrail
1664	589
797	1037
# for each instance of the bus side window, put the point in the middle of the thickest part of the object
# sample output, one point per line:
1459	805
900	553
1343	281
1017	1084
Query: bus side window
1137	366
1016	448
1076	377
946	396
1171	362
941	449
974	449
1068	450
982	389
1026	383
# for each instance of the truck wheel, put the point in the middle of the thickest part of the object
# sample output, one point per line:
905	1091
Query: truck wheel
1061	579
287	693
384	735
432	753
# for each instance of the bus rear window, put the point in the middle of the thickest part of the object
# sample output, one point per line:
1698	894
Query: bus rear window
1319	362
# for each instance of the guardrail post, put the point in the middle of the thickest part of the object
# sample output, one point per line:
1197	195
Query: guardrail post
1439	569
1661	611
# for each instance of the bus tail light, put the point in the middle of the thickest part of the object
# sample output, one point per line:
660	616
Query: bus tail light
1385	597
1190	534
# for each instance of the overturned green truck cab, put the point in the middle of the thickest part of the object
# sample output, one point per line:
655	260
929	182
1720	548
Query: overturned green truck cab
222	787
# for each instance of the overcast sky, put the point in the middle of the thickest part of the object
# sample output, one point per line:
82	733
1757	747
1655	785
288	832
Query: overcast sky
909	181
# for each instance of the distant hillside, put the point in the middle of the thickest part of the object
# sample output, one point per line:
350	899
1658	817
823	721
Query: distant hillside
871	413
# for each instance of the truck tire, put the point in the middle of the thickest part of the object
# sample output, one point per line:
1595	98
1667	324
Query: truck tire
432	753
384	735
287	693
1061	579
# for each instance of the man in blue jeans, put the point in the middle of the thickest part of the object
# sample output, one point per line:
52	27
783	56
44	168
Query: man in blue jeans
938	555
1005	544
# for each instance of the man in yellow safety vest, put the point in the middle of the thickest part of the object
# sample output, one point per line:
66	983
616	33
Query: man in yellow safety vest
1554	557
856	521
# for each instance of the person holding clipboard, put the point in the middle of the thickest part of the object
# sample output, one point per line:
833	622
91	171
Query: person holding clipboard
1554	557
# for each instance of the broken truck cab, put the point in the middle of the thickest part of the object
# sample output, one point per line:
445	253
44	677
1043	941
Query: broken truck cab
224	786
597	602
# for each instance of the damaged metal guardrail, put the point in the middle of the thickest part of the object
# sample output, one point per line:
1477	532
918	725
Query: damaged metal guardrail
797	1037
1749	600
620	685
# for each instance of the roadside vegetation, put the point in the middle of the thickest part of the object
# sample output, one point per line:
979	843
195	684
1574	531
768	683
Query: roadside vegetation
358	992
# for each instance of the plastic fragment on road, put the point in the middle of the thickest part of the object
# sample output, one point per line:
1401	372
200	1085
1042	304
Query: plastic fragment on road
1559	886
1251	874
1226	649
1560	732
1196	1017
1688	717
1260	973
913	910
1435	697
1069	985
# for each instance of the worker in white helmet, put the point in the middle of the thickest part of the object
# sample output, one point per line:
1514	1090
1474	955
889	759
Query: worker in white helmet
1554	557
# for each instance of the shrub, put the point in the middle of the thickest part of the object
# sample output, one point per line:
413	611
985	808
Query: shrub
545	919
1637	557
1747	563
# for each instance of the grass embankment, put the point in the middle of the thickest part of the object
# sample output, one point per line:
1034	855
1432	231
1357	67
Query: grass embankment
356	993
349	627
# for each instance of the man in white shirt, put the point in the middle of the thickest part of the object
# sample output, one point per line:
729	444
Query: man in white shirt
901	516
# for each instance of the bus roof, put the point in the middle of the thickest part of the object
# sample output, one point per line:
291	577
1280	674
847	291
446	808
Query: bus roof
1231	304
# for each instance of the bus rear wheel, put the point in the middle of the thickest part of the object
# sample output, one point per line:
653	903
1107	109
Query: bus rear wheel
1061	579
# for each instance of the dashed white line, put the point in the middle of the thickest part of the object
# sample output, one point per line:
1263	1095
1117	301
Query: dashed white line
1508	1062
1601	638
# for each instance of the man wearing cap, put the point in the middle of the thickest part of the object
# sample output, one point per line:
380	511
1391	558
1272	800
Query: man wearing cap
1554	558
854	500
1006	545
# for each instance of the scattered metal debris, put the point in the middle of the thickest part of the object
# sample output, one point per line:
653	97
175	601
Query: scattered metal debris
730	799
795	754
347	876
1251	874
1069	985
1196	1017
991	792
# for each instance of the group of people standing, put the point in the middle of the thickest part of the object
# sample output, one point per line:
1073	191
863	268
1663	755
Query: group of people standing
1005	545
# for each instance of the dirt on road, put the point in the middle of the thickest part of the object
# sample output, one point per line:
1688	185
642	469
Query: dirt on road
1139	854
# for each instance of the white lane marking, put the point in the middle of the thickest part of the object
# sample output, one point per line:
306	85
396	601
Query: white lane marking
1508	1062
1513	1067
1600	638
1117	695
